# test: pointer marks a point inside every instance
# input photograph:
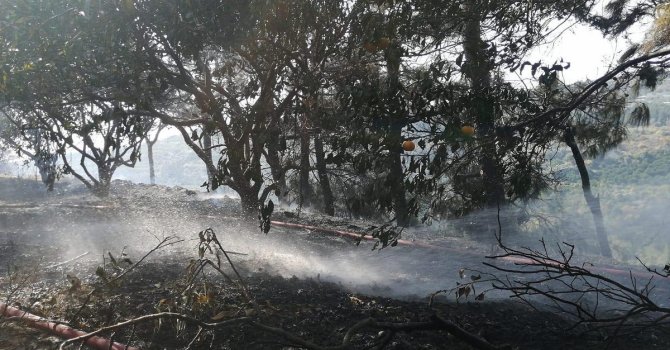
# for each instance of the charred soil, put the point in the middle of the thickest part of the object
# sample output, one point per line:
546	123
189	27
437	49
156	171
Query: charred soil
45	270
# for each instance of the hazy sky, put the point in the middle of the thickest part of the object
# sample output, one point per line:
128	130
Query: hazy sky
589	53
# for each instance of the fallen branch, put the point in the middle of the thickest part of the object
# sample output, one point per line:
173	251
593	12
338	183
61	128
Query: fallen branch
577	289
435	323
67	261
163	315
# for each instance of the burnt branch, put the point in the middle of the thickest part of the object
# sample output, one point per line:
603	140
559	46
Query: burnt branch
583	290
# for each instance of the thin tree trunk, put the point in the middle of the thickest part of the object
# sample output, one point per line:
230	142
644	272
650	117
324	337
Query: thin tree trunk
207	147
274	160
397	180
324	181
305	189
150	155
592	201
151	141
396	177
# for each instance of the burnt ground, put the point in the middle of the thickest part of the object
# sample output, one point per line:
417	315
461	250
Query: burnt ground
312	286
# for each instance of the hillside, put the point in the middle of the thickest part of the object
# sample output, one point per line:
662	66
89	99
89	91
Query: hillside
633	182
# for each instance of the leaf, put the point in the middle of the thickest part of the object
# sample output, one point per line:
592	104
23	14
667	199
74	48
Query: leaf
480	297
202	299
111	257
464	291
628	53
476	278
461	273
75	282
523	65
224	314
640	116
459	60
534	67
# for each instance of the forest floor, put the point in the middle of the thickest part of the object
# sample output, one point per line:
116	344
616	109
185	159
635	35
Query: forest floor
56	250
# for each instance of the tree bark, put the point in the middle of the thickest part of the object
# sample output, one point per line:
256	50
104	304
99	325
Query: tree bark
276	168
102	186
324	181
477	68
592	201
151	141
305	189
250	203
207	147
396	177
152	170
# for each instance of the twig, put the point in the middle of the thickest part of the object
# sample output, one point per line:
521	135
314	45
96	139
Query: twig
162	244
435	323
151	317
67	261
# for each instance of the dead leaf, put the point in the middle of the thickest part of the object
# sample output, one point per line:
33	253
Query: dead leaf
461	273
75	282
202	299
224	315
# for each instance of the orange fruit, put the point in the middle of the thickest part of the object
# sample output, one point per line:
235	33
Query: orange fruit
468	130
408	145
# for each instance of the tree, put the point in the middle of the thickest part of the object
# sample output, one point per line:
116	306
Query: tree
73	108
232	79
150	141
32	144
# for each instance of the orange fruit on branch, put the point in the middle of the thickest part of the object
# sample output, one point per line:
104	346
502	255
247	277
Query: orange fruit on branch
468	130
408	145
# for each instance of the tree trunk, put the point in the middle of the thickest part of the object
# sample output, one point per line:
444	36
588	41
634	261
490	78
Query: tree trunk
150	155
250	203
274	160
477	68
207	148
396	177
102	186
324	181
151	141
397	181
592	201
305	189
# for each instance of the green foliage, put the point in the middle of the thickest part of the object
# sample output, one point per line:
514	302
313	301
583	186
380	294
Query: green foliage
265	78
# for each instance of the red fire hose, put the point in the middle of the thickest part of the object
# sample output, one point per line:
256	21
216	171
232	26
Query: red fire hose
60	330
511	259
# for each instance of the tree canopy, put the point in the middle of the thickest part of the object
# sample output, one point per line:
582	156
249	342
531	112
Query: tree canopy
311	101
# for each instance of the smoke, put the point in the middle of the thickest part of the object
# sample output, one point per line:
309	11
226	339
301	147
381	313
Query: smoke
137	217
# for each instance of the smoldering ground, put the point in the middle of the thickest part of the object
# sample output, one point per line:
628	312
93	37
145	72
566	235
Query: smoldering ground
71	222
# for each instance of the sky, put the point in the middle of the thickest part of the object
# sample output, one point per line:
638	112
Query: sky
590	54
